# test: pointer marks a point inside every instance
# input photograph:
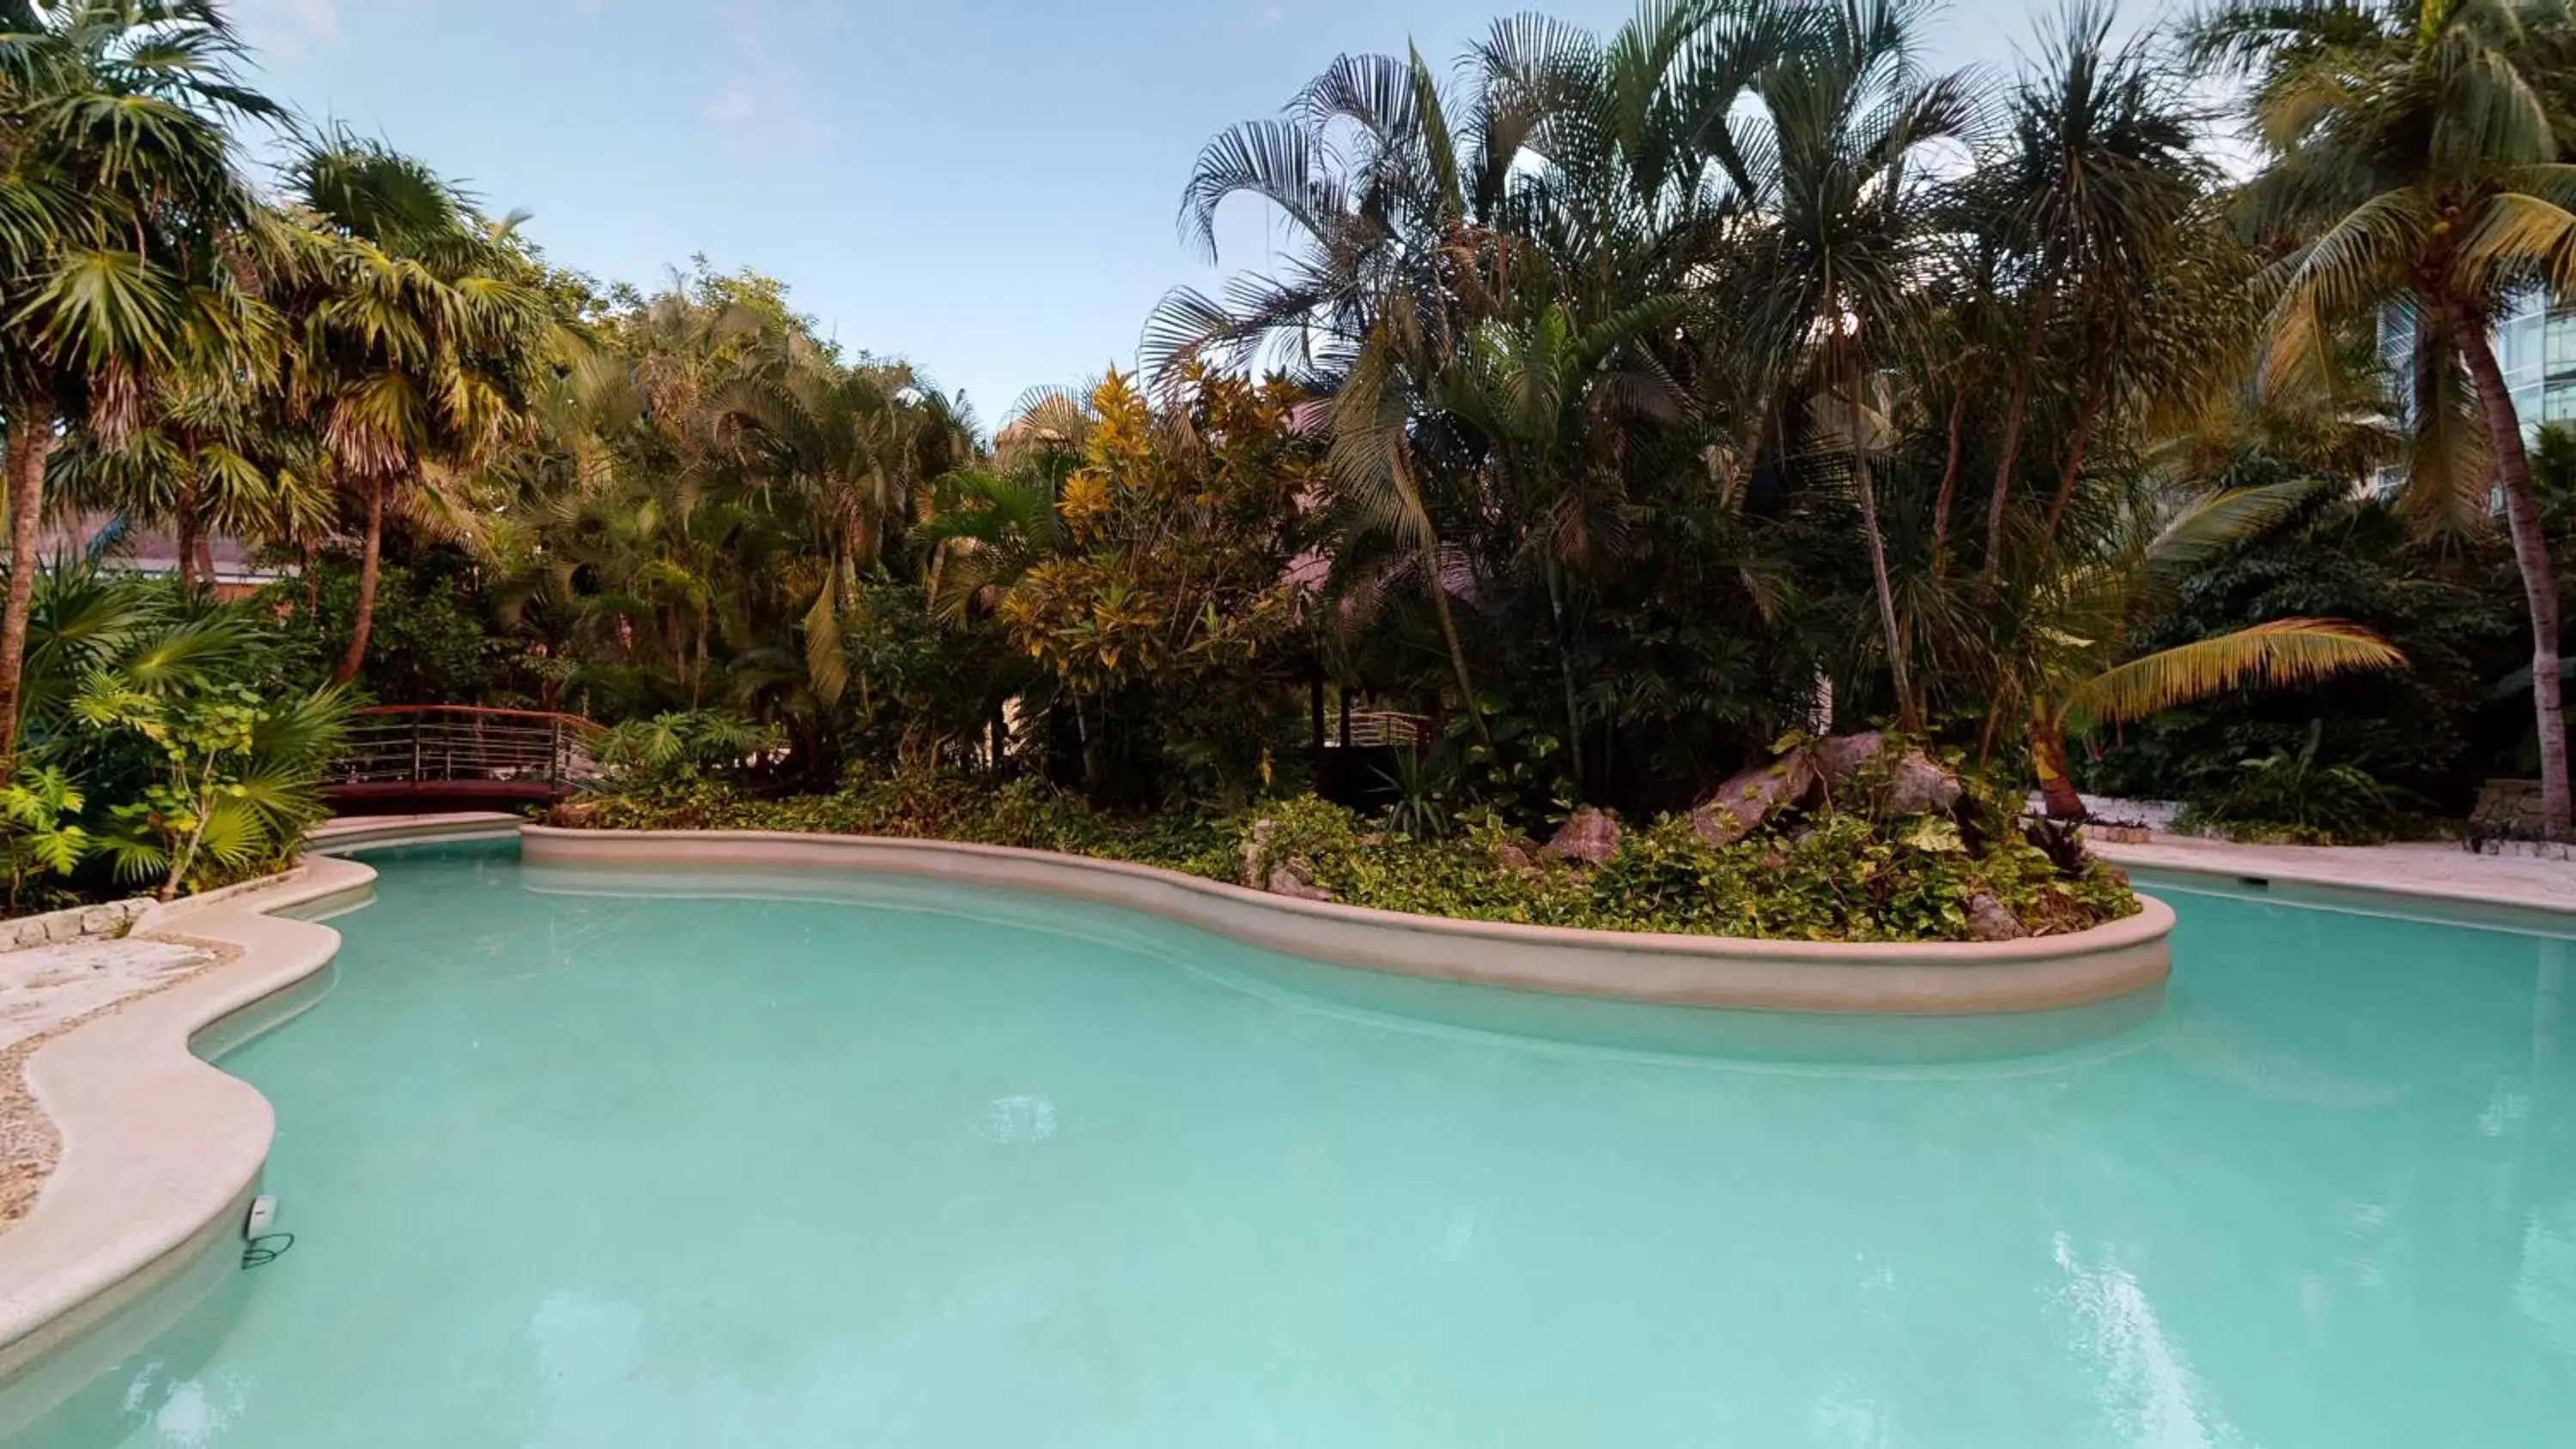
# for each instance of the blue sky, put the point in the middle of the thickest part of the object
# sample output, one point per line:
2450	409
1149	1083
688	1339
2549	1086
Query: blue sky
985	187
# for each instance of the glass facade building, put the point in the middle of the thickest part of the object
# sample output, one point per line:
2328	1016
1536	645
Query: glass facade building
2535	345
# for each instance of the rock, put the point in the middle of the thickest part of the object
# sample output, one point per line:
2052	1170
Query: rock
1295	879
1988	920
1921	785
574	814
1518	858
63	926
1916	784
1837	756
1589	837
99	920
1747	799
1256	853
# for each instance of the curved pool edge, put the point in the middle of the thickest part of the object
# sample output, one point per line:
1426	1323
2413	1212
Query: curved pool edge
1882	979
161	1151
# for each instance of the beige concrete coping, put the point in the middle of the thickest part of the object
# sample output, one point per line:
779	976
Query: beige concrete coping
160	1151
1934	979
2434	880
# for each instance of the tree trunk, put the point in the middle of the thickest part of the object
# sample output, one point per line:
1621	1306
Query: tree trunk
2048	762
2530	555
1565	668
2075	455
2016	409
31	438
1906	719
1949	487
368	558
187	538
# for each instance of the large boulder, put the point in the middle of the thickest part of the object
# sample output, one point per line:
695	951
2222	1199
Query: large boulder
1915	783
1588	837
1991	920
1750	797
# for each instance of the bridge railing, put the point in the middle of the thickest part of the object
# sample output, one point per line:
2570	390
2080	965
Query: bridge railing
464	749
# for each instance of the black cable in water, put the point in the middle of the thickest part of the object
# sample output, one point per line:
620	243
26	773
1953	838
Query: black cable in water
265	1249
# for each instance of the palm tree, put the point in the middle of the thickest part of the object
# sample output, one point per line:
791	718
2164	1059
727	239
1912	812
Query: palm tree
419	336
118	194
2098	180
2416	156
199	463
1840	179
2063	664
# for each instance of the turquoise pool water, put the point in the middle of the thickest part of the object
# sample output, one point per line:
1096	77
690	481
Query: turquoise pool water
576	1170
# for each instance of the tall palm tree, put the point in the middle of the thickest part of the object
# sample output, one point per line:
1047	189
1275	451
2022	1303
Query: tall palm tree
857	446
2416	155
419	336
1839	175
118	194
2088	196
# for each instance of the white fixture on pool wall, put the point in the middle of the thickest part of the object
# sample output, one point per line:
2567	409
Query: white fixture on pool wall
263	1214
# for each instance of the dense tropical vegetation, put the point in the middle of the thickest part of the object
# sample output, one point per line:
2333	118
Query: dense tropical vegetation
1628	412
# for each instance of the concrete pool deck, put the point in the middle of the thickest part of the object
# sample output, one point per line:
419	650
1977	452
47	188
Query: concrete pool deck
2433	871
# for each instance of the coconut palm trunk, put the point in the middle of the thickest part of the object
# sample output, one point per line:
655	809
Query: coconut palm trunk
2530	554
1907	717
2016	414
1949	484
2048	761
31	438
370	555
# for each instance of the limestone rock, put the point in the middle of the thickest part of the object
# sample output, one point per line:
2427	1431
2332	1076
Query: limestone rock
1988	920
1916	784
574	814
1256	853
1295	879
1837	756
1921	785
1748	798
1589	837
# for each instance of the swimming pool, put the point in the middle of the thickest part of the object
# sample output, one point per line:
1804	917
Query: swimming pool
942	1167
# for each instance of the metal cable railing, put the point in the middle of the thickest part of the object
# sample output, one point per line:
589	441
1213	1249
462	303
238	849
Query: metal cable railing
466	748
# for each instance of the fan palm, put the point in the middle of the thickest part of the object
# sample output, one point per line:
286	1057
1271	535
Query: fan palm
118	192
419	339
2416	149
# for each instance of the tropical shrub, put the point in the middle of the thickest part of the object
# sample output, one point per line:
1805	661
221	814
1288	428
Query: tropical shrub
2430	729
2292	796
1831	875
680	747
156	749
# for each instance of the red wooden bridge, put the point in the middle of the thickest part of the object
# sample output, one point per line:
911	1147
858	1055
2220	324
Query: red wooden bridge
412	756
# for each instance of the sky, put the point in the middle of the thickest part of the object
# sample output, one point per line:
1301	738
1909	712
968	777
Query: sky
986	188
